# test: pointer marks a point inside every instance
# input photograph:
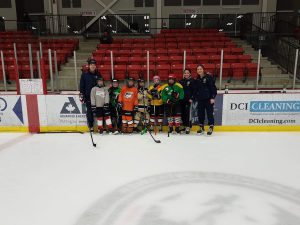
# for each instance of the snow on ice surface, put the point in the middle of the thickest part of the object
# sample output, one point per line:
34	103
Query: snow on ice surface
229	178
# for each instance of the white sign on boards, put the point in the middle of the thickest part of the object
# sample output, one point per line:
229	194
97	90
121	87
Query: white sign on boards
31	86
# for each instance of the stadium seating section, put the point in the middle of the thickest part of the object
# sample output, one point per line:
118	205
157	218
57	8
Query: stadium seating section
202	46
64	48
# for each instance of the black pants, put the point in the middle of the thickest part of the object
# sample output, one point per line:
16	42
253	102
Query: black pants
206	106
89	114
116	116
173	110
157	111
185	113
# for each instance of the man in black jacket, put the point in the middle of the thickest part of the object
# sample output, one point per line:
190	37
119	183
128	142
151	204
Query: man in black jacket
87	81
204	92
187	84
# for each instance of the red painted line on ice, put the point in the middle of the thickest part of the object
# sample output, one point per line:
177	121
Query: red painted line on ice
14	141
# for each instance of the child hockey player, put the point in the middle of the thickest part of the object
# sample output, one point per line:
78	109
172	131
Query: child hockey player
142	116
128	101
115	111
172	93
100	105
156	104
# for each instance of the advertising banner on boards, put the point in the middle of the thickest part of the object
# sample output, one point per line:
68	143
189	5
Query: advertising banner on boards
261	109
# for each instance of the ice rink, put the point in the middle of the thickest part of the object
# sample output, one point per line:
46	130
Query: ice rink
227	179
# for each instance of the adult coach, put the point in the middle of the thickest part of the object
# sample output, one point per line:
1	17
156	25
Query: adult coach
204	92
88	80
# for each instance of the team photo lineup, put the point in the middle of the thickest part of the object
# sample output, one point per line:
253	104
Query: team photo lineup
134	108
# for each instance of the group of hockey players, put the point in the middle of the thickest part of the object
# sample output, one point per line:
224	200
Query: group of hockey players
135	108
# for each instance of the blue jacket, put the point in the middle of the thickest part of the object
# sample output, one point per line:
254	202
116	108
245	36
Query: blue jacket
204	88
87	82
187	85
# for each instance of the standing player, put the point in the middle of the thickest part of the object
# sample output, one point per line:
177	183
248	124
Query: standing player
100	105
128	101
204	92
115	111
172	93
187	84
156	104
87	82
142	116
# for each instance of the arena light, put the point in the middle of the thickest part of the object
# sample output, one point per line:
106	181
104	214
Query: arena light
146	17
147	31
239	16
3	17
33	28
229	24
68	26
75	31
220	30
103	17
146	25
193	16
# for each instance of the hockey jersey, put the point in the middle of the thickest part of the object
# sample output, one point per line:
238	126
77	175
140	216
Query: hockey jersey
154	94
99	96
129	98
143	100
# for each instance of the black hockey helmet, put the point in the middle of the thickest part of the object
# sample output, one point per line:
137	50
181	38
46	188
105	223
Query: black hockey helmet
92	61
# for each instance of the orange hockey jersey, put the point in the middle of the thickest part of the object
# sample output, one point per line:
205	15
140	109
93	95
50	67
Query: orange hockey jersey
129	98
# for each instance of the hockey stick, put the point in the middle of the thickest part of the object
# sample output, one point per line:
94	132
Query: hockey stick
155	140
92	139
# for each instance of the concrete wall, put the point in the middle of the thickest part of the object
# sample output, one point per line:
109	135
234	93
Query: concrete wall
10	14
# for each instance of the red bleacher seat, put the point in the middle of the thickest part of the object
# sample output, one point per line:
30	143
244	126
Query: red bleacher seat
105	71
244	58
210	68
237	51
162	59
176	59
120	72
203	59
121	60
134	71
251	69
238	70
177	69
230	58
151	70
163	71
226	70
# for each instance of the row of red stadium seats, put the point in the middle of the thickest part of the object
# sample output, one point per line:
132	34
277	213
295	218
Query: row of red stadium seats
235	70
170	52
174	59
24	71
169	45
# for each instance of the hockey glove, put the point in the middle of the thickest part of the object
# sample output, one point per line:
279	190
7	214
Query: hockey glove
175	95
120	105
81	98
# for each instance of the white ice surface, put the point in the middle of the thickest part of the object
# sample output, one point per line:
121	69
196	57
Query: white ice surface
53	179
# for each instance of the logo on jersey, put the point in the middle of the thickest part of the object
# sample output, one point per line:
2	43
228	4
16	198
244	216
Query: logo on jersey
128	94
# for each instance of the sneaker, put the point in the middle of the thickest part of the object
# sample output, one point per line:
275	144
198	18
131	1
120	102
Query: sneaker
210	130
187	130
201	130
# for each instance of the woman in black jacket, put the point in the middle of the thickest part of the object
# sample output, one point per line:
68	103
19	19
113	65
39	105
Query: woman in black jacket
204	92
